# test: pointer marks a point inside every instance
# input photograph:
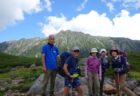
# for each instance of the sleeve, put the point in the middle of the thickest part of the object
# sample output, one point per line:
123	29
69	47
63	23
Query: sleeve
112	63
99	64
68	61
124	63
100	72
86	62
57	51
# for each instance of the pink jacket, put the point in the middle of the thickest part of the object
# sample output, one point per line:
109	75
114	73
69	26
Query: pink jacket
93	64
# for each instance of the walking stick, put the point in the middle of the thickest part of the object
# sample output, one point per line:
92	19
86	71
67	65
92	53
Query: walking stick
118	84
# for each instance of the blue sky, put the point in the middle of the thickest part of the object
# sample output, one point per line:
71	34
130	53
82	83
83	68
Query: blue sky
39	18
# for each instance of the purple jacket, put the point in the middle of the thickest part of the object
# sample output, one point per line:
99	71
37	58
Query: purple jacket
92	64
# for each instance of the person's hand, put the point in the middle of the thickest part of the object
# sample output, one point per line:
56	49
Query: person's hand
100	78
44	69
86	76
71	76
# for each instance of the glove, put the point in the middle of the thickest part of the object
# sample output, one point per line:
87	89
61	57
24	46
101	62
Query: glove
75	75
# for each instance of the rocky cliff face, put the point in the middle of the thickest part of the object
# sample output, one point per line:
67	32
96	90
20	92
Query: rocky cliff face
65	40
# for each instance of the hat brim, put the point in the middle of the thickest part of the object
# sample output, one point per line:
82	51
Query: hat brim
114	51
93	52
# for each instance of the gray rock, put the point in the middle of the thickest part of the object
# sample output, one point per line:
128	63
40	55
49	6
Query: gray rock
17	81
33	66
36	88
131	83
137	91
59	85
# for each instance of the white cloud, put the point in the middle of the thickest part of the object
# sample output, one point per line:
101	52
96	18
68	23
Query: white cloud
127	26
82	6
110	6
131	3
14	10
48	5
123	25
123	4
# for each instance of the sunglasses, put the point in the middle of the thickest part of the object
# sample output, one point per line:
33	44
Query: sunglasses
76	51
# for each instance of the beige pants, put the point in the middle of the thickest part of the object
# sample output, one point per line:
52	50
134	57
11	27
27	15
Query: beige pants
122	79
93	84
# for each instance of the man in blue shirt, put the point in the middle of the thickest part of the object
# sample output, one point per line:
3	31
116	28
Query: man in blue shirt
71	68
49	65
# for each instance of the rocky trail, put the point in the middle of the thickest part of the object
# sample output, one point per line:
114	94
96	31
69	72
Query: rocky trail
59	85
36	88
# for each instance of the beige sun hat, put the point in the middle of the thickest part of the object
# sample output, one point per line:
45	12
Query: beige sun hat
94	50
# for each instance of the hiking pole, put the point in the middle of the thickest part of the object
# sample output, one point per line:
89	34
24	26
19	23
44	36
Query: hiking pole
118	84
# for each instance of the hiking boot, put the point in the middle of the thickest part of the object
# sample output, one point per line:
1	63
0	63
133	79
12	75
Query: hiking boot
52	95
43	94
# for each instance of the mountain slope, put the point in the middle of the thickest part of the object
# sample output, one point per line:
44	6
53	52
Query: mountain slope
65	41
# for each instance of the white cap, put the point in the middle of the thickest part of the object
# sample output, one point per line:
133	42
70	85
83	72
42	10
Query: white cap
103	50
94	50
75	48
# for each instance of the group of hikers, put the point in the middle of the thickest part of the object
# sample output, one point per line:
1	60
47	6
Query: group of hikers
95	68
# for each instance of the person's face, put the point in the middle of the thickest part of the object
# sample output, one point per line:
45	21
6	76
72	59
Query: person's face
51	40
76	53
114	54
103	53
93	54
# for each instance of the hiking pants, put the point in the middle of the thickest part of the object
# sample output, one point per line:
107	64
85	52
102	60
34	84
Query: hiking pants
93	84
49	75
102	83
123	85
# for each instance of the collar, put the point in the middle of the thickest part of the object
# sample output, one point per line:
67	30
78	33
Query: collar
74	56
94	57
51	44
104	56
116	57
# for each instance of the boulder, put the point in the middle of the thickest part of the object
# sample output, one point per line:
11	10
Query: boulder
137	91
109	89
59	86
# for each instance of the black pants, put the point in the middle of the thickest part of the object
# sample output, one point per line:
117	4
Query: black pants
102	83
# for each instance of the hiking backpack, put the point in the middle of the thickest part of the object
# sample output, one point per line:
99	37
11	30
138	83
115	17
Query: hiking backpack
127	69
128	65
63	58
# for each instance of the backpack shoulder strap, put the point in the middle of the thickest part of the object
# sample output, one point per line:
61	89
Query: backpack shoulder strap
120	58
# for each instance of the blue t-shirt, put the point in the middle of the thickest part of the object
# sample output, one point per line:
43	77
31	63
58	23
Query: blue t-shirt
72	64
50	52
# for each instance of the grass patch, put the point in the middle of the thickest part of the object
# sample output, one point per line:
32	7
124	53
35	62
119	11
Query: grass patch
1	93
22	73
22	87
134	60
9	61
135	75
29	75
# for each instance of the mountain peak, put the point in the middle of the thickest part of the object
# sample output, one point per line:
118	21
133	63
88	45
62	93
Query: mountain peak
65	40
